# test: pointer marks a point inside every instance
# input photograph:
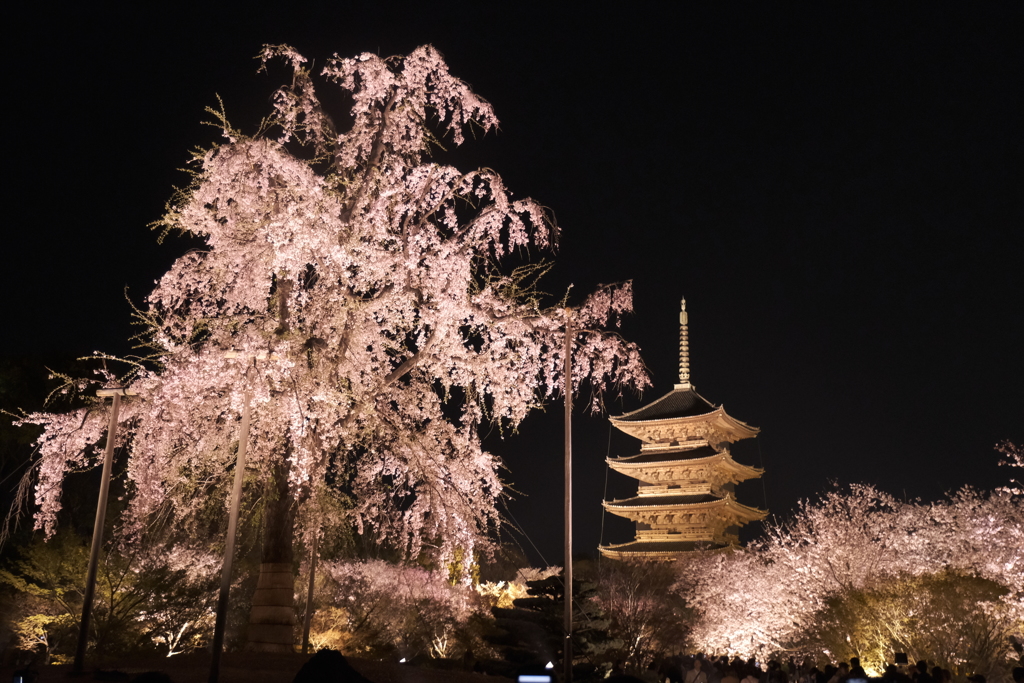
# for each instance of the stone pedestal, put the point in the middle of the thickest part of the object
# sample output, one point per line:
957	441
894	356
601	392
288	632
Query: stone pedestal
272	620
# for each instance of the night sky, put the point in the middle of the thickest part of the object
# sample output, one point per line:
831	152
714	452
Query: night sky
831	190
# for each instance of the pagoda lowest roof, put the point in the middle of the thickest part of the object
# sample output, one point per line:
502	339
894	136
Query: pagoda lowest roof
656	548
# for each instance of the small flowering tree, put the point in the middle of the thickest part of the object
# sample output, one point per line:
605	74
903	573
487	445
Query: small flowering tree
355	289
387	609
646	617
852	573
178	616
745	603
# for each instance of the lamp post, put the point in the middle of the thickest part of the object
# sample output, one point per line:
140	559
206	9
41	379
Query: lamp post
308	616
567	626
229	543
114	393
236	497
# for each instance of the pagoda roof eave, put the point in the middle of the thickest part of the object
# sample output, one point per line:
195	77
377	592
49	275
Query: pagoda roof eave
717	420
649	549
623	466
729	503
665	502
685	419
755	514
665	454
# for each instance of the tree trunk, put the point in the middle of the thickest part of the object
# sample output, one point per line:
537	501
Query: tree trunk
272	619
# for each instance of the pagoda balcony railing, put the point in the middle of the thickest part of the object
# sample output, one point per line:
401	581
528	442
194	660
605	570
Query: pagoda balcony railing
688	489
695	535
687	445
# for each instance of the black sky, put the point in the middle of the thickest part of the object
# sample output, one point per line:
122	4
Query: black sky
832	190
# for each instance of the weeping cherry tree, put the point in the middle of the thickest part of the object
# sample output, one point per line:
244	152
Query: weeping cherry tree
368	299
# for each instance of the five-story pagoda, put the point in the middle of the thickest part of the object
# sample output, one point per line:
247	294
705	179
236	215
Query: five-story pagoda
686	474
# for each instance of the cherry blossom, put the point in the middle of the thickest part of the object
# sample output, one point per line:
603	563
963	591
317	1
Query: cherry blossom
409	609
769	597
356	289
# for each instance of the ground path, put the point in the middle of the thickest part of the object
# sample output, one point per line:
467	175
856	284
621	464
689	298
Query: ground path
246	667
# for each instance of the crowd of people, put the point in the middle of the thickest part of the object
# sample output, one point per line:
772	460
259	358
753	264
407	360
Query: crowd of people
700	669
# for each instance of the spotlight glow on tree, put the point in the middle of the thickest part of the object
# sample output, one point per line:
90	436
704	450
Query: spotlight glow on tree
357	288
859	572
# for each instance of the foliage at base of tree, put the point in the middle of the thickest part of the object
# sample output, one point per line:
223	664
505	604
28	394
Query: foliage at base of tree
156	599
956	619
375	608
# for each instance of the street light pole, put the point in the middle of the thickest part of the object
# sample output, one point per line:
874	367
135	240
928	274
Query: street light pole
229	544
567	646
97	529
308	616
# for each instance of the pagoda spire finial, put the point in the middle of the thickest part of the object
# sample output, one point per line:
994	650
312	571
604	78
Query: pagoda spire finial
684	348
